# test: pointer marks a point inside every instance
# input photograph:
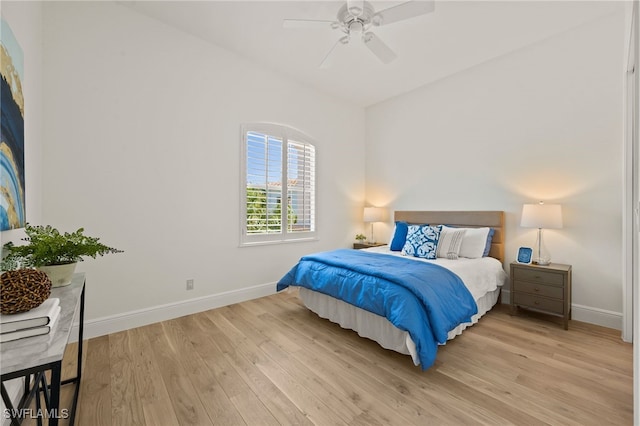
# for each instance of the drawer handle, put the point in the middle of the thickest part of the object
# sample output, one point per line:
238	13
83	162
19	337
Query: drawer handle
536	302
537	277
536	289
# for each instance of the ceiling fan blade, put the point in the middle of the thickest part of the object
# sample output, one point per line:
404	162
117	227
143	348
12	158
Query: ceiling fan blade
404	11
327	59
307	23
377	46
355	7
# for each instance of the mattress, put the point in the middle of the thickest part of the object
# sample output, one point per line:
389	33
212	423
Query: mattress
483	277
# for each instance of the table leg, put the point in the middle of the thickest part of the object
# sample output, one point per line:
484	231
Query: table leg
37	383
79	361
54	396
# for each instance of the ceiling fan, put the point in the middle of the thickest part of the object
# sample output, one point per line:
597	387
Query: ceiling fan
355	19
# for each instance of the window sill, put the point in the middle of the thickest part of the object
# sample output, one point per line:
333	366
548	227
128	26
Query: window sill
269	243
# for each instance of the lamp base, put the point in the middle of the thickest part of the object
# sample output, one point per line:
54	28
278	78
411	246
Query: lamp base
543	258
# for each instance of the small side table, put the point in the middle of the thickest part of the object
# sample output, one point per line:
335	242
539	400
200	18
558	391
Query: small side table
359	246
35	355
545	289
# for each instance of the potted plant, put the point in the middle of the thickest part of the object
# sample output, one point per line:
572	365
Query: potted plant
361	238
52	252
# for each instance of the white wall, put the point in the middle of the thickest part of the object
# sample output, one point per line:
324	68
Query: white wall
142	126
542	123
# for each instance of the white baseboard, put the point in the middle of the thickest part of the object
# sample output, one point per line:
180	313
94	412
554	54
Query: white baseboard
120	322
597	316
587	314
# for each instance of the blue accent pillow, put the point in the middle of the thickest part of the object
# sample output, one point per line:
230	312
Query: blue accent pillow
422	241
400	236
487	248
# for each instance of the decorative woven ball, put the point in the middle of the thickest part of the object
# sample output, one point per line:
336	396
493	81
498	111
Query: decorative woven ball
22	290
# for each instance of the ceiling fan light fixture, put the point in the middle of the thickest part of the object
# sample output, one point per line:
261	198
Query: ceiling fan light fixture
356	27
356	17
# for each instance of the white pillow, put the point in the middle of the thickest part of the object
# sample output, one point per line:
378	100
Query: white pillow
450	242
474	242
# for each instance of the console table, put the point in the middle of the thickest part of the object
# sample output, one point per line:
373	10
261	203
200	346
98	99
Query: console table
35	355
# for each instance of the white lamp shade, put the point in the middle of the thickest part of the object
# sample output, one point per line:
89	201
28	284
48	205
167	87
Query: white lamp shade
541	216
373	214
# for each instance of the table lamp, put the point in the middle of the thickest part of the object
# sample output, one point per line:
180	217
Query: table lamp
373	214
541	216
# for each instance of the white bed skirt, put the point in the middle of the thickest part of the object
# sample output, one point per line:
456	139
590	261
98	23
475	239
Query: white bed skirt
378	328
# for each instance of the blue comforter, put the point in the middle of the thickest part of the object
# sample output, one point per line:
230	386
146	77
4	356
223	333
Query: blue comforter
424	299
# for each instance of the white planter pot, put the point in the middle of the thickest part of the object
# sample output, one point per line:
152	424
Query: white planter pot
60	275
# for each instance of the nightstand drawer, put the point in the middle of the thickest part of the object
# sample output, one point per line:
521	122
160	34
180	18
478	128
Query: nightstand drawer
535	302
538	276
538	289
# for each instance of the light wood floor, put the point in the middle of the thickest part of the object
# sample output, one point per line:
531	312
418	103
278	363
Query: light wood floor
271	361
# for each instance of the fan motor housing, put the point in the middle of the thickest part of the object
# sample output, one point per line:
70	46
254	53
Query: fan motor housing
362	22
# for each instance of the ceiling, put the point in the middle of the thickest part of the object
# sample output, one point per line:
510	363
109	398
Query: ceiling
456	36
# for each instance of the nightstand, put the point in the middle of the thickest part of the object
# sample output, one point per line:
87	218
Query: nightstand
545	289
359	246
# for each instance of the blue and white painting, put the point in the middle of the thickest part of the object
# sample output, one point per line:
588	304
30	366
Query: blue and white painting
12	196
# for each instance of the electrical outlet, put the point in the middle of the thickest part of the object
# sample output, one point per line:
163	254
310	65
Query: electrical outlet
189	284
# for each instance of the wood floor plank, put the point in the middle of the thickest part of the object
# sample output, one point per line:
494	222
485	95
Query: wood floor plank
280	349
271	361
154	396
214	400
184	397
241	394
332	377
126	407
95	389
262	373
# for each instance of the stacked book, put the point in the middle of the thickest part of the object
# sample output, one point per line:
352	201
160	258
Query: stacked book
35	322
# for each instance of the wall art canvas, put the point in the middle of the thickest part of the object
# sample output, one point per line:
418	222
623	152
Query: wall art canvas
12	189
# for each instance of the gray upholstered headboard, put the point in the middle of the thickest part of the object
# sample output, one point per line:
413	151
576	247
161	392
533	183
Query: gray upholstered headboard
469	219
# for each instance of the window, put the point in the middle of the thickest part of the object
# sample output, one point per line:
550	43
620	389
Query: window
278	185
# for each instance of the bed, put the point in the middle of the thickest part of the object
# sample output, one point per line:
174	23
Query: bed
481	276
